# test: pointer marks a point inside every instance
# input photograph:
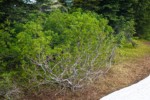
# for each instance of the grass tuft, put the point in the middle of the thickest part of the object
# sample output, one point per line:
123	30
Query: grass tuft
128	52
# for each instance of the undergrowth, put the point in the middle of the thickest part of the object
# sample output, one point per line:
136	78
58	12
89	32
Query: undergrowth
127	52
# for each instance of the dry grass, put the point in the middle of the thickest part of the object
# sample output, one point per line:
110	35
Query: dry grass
121	75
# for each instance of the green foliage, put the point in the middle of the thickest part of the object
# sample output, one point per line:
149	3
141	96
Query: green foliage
128	52
52	48
125	32
63	37
142	18
76	27
114	11
33	41
14	10
64	48
8	87
5	83
92	5
8	52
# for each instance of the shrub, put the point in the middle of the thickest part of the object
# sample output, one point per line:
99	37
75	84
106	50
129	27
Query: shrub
125	32
66	49
8	87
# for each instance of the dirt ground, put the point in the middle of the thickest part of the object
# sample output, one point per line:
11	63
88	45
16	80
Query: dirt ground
121	75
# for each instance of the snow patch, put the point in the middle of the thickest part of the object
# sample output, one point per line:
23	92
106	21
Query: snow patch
138	91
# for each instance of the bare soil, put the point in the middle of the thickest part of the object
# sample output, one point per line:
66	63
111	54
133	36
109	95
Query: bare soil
119	76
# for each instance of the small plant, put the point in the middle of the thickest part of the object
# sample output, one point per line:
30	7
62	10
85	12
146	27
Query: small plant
8	88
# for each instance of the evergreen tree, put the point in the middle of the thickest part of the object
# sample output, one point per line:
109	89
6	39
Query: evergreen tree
142	18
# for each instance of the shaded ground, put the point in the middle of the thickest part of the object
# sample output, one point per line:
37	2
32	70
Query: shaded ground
119	76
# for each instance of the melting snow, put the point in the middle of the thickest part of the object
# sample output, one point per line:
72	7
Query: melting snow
138	91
